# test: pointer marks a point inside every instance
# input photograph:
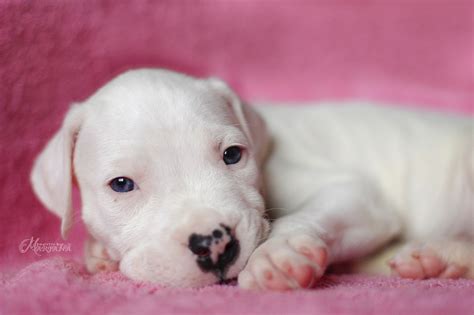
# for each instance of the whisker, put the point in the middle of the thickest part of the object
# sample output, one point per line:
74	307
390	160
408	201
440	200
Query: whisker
272	209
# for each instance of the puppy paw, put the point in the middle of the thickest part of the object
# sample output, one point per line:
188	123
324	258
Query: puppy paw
97	258
424	261
285	263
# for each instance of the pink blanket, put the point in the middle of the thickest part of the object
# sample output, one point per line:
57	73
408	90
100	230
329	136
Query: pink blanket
53	53
58	286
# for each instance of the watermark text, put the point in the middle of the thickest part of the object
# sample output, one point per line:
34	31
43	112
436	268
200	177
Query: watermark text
38	247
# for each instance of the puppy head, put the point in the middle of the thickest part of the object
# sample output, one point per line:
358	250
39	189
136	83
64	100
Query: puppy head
168	169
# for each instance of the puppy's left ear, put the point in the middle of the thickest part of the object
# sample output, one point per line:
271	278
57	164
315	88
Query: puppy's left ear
51	176
250	121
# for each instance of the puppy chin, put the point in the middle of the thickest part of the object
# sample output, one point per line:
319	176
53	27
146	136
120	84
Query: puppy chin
164	268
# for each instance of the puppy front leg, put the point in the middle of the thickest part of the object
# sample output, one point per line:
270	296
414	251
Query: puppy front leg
96	257
344	220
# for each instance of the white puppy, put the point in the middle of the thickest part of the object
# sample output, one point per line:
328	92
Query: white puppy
171	171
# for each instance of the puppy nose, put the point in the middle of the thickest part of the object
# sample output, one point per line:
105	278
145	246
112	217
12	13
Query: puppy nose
215	251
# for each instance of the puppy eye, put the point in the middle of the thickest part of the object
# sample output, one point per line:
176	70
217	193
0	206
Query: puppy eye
232	155
122	184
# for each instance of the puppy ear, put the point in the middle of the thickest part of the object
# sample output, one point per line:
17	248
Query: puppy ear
250	121
51	176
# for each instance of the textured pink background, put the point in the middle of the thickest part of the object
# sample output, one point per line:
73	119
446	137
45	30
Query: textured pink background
56	52
61	287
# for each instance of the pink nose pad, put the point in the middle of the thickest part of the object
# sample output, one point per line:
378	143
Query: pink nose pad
215	252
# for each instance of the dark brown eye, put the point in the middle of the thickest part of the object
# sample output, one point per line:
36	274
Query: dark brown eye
122	184
232	155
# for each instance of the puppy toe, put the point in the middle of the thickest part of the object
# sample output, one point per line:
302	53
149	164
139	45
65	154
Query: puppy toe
296	267
431	263
453	271
407	268
312	248
270	277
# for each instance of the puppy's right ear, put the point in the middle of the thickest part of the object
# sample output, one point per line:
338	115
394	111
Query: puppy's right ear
51	176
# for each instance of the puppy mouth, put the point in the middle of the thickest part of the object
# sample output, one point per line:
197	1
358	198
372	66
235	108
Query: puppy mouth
229	281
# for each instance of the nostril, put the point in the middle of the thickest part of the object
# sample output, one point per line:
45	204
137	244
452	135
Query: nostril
199	245
217	234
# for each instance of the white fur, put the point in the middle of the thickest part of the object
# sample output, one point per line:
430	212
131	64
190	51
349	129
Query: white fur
351	176
381	171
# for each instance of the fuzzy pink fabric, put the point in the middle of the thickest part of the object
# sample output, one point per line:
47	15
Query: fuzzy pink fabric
55	52
56	286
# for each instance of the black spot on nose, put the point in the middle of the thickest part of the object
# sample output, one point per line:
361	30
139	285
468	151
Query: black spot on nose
201	246
229	255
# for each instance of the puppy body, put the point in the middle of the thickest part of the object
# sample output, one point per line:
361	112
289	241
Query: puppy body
359	176
340	182
419	164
